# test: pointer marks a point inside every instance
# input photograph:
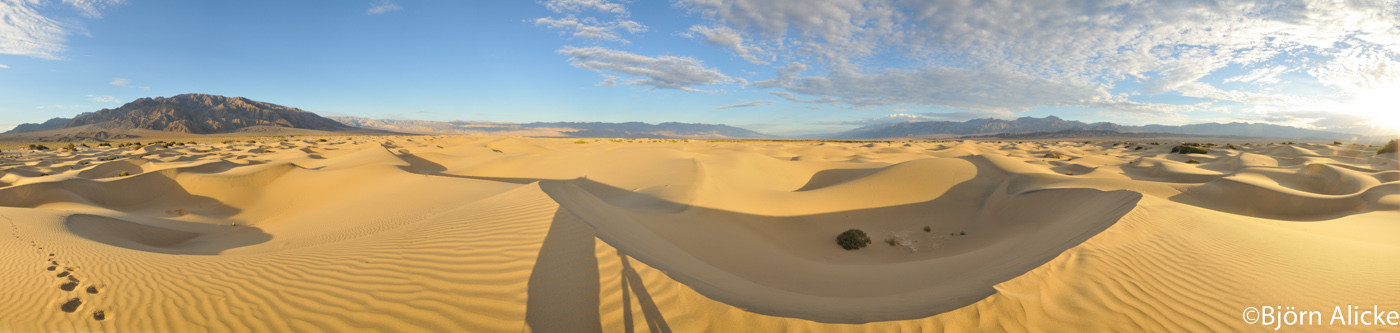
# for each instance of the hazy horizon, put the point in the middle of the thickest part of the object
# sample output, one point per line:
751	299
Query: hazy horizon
778	67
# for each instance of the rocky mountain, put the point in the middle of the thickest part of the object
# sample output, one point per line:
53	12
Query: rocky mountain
1055	124
672	130
192	114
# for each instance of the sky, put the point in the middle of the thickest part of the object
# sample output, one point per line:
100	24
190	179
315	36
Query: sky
783	67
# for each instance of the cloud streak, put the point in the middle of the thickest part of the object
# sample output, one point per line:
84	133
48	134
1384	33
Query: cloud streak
745	105
580	20
383	7
663	72
103	99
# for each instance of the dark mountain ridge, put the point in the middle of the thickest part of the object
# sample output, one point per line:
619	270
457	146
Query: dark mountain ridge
191	114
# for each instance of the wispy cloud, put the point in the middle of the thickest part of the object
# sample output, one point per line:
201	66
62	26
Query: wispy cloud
563	6
580	20
120	82
591	28
92	8
726	37
3	66
744	105
25	32
382	6
664	72
966	55
103	99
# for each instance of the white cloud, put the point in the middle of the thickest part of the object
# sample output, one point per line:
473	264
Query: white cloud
990	55
665	72
591	28
103	99
120	82
23	31
564	6
92	8
745	105
954	87
728	38
2	66
580	20
1358	68
382	7
1263	75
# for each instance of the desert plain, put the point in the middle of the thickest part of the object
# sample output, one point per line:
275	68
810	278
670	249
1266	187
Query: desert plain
511	234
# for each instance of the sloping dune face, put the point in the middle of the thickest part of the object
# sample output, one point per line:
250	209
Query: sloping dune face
979	234
491	234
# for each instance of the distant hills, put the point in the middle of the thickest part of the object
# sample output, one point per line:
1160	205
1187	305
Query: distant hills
200	114
671	130
1052	124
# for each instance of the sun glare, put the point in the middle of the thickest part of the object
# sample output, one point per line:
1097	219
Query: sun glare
1380	104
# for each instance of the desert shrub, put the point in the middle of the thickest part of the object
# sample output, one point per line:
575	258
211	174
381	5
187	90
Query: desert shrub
70	147
892	241
1231	146
579	142
1388	148
104	144
927	229
321	140
1189	149
124	174
1337	143
37	147
1054	156
1138	148
1193	161
853	239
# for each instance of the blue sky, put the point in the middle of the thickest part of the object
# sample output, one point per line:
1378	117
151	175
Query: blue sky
785	67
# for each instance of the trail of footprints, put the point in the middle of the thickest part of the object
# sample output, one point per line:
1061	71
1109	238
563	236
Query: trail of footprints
67	278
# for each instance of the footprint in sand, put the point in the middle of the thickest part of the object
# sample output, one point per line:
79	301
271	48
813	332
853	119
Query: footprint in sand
71	305
68	286
99	315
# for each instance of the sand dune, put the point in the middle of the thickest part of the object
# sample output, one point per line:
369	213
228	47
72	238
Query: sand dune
473	233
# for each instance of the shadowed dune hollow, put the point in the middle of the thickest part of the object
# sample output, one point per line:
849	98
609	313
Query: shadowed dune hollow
985	229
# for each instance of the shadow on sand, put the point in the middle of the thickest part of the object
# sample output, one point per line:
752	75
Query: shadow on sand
564	285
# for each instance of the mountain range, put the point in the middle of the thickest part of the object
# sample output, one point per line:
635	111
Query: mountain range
199	114
1050	124
667	130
